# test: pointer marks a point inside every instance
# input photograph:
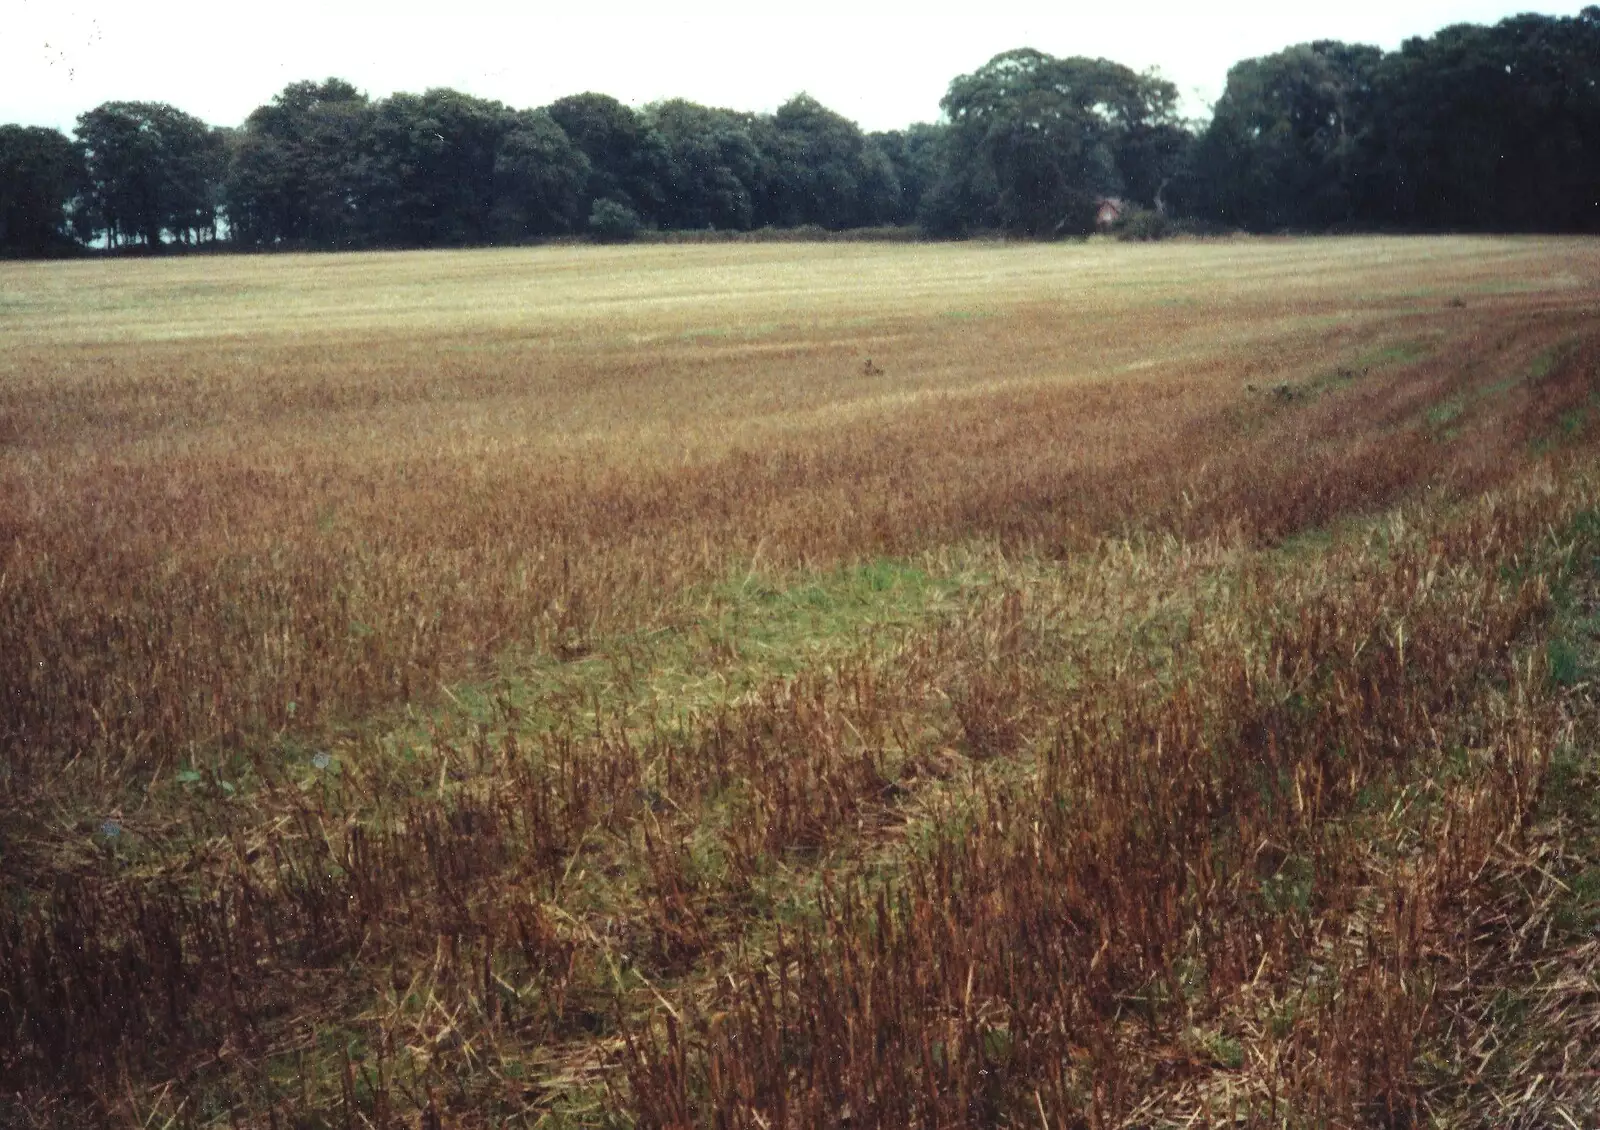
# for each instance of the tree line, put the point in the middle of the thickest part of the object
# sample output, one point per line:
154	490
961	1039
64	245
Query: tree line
1473	128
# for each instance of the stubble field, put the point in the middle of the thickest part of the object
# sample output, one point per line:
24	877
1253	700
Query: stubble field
802	685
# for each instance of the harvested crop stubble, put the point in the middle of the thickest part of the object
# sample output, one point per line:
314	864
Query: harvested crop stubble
211	520
1050	948
563	686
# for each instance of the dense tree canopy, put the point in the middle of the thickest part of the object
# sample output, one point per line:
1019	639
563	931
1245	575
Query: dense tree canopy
714	165
917	156
1036	140
1475	128
1478	128
152	170
1282	147
1492	127
429	176
294	174
539	178
822	170
628	160
41	172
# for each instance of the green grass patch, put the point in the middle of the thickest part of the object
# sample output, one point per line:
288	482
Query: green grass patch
784	621
726	640
1442	415
1545	362
1500	387
1397	353
1346	374
1579	913
1572	782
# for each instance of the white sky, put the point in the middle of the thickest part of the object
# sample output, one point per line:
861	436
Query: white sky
883	64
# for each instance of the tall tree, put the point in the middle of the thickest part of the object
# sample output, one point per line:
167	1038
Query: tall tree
295	170
1493	127
1035	139
40	174
821	169
430	172
713	165
152	169
628	160
540	178
917	155
1284	147
1472	128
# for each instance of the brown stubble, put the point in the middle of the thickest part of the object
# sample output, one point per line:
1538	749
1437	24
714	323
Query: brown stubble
214	513
455	480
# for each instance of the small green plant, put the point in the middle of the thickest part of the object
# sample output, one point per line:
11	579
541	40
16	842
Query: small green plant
1224	1051
1290	889
1566	665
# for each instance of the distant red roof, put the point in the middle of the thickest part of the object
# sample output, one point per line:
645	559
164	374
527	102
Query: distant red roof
1109	211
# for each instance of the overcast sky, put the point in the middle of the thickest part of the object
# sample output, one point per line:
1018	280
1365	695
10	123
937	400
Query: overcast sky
883	64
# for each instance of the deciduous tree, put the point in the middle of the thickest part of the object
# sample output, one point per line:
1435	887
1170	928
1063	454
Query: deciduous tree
1492	127
628	160
917	155
713	163
822	170
41	172
295	169
1035	139
430	169
152	169
540	178
1285	143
